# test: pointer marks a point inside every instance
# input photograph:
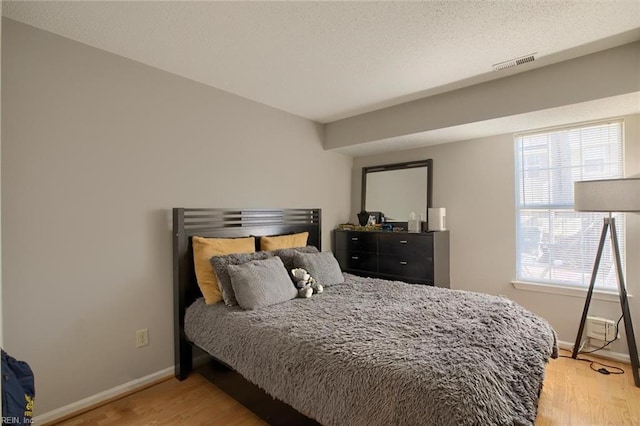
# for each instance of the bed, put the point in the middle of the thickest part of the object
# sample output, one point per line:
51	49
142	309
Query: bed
364	352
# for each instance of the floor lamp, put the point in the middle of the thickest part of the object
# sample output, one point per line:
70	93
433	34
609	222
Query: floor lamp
613	195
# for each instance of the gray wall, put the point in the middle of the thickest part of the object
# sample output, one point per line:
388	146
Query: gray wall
96	150
475	181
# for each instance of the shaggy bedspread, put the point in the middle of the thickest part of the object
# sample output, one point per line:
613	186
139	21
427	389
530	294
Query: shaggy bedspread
376	352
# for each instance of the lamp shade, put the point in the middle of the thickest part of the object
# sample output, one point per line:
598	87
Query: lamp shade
611	195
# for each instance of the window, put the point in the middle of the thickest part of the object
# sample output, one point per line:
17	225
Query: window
555	244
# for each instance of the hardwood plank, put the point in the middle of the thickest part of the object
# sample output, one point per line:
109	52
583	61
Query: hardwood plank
573	394
194	401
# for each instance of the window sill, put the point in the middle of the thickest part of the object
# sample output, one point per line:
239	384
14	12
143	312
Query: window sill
609	296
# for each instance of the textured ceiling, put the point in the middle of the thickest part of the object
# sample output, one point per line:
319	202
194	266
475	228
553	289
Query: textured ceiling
331	60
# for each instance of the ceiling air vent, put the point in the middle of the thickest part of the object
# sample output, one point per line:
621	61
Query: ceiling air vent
514	62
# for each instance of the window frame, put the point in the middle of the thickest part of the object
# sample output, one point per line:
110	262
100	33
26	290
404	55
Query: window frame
607	293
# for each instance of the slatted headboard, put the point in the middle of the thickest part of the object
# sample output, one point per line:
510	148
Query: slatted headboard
223	223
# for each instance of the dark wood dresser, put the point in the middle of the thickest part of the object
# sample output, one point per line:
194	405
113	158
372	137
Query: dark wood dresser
421	258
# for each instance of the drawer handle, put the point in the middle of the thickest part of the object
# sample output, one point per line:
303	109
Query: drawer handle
403	263
403	242
354	257
354	238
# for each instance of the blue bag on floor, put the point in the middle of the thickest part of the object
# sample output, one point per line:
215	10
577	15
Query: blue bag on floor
18	391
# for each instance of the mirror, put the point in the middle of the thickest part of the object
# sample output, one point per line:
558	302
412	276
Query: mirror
398	189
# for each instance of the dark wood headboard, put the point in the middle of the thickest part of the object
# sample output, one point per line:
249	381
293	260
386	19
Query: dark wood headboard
223	223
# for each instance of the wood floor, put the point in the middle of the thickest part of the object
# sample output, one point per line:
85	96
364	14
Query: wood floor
573	394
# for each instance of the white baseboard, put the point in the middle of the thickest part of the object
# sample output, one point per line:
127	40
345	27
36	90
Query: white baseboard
615	356
96	399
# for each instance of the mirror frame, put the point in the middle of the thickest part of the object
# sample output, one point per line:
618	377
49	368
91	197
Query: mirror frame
398	166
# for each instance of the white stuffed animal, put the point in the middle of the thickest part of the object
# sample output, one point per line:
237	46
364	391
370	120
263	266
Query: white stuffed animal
305	283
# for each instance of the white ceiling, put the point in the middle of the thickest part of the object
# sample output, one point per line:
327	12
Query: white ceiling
330	60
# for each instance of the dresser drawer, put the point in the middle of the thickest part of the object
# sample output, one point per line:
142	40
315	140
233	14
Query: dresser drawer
357	260
410	267
356	241
406	245
412	257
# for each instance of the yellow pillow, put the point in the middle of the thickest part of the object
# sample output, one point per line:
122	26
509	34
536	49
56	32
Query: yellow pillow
204	249
283	241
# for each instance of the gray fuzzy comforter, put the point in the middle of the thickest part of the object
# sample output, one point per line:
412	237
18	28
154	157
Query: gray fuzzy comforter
375	352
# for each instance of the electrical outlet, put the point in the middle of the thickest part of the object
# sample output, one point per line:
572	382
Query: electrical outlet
611	331
142	337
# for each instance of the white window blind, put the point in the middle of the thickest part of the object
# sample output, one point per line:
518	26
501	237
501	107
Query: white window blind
554	243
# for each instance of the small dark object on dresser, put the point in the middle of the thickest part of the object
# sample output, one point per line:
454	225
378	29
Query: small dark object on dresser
363	218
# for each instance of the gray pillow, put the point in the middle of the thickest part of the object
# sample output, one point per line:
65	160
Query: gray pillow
220	265
261	283
287	255
322	266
